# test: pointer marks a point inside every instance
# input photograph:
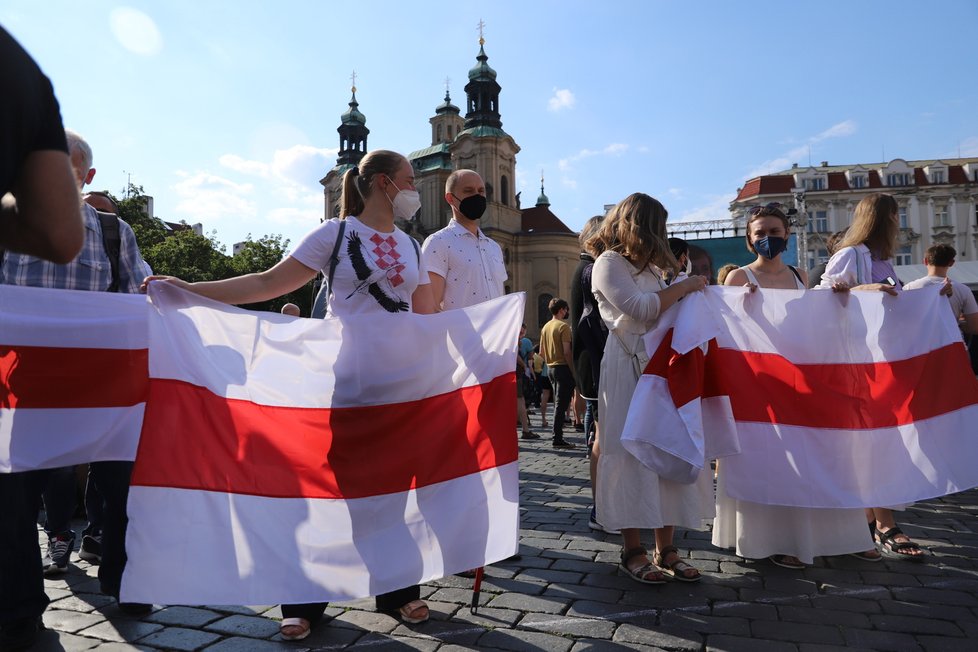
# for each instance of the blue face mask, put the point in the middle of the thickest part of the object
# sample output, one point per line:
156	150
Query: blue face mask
770	246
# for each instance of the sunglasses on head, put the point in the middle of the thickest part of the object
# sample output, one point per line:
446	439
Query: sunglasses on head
774	208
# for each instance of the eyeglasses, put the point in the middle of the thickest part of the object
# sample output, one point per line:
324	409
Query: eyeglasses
774	208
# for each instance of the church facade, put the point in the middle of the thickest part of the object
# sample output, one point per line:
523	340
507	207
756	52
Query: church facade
539	250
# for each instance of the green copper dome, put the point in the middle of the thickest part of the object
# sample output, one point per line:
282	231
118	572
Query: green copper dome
353	116
482	71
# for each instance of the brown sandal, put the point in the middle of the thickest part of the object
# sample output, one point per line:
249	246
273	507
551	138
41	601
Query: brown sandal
647	573
677	570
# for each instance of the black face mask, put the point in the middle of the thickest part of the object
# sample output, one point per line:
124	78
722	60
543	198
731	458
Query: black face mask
472	207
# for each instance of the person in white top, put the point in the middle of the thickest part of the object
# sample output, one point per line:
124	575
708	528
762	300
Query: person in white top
791	537
939	259
629	287
466	266
377	267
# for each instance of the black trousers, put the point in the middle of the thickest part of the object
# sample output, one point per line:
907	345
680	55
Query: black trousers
313	611
112	481
21	578
563	382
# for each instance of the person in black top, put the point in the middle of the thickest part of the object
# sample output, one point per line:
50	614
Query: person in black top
44	219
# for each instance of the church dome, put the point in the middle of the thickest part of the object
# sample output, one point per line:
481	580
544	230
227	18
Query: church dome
352	116
482	71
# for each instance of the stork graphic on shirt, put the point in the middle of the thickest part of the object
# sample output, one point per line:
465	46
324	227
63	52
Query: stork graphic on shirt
378	270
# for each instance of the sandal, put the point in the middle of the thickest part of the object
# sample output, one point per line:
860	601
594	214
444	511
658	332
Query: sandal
647	573
787	561
529	435
869	555
898	549
300	626
677	570
414	612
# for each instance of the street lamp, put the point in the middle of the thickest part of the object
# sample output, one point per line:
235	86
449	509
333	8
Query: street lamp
801	221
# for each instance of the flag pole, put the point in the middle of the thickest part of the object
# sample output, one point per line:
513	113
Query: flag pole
476	589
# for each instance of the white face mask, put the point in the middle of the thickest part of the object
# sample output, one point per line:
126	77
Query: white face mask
689	266
405	203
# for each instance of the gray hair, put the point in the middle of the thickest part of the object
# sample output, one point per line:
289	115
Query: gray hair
78	144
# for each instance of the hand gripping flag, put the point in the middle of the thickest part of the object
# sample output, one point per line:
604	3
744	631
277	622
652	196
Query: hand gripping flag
835	400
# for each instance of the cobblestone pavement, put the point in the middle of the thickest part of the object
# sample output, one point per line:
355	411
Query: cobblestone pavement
565	594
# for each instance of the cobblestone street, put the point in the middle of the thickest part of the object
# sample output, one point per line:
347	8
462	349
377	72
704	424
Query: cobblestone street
565	594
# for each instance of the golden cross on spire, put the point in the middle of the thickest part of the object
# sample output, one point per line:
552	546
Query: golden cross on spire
482	27
353	81
541	179
448	85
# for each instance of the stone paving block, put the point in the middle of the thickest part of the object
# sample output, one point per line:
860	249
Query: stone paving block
523	641
123	647
370	621
823	616
845	603
538	534
668	596
597	546
70	621
448	632
183	616
816	647
915	625
380	643
548	576
862	591
236	609
704	624
330	636
529	603
656	637
749	610
610	611
240	625
595	645
529	560
121	631
876	640
530	546
934	596
940	644
51	640
724	643
460	596
796	632
241	644
566	625
85	603
488	617
885	578
766	596
793	585
525	587
583	567
564	553
712	589
179	638
578	592
938	611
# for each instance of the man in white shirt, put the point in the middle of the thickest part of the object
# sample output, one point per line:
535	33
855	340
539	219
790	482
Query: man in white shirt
939	258
465	266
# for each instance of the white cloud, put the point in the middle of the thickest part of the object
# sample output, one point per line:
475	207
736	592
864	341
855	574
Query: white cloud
562	99
568	182
299	167
717	207
135	31
675	193
969	147
839	130
614	149
244	166
208	197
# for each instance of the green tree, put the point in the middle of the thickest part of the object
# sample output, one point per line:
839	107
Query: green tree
190	257
132	209
266	252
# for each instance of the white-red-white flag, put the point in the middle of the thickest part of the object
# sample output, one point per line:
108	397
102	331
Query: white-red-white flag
834	400
286	460
73	377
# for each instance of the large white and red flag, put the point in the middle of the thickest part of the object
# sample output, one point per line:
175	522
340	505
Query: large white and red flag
73	377
833	400
288	460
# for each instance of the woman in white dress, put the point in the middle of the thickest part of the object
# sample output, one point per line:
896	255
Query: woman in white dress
863	262
363	280
790	537
627	281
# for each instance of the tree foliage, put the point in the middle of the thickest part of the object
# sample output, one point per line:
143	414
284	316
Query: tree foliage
183	253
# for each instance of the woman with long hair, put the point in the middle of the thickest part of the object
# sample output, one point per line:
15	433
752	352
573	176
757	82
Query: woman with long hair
791	537
863	261
630	290
364	278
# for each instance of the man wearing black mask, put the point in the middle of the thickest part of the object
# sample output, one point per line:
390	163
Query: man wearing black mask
466	266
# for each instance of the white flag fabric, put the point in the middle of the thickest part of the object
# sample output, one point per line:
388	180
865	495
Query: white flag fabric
833	400
291	460
73	376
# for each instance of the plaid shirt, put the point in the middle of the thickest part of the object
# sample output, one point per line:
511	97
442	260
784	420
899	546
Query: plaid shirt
90	270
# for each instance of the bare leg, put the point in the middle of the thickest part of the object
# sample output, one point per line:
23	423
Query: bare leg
884	521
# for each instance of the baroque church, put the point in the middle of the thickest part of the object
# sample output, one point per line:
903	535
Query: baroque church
539	250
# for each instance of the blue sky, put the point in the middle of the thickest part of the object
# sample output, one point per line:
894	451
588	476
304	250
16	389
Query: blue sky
226	112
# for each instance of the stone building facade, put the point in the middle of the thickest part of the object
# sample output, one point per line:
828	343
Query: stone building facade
539	250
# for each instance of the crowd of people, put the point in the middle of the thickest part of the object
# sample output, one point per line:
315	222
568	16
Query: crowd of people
586	364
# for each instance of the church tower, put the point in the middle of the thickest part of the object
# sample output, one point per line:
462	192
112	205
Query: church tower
432	165
353	147
483	146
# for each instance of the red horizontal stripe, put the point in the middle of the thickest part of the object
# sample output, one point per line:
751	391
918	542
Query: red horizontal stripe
767	388
63	377
194	439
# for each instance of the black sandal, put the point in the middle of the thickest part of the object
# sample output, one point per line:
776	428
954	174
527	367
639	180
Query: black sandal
676	570
896	549
642	573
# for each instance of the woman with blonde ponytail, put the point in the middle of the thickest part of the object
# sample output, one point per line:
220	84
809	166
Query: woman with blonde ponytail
373	267
629	286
